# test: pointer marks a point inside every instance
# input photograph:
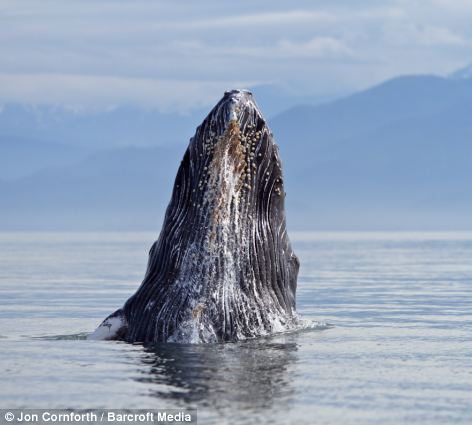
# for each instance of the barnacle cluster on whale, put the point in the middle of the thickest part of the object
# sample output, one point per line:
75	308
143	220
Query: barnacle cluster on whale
223	268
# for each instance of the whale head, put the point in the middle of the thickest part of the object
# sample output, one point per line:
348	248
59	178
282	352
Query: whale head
223	268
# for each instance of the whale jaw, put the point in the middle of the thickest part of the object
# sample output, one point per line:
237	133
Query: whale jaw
114	327
223	268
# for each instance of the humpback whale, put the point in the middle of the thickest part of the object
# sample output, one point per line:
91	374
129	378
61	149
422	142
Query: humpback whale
223	268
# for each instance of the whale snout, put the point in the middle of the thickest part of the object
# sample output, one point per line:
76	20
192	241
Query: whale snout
238	92
238	105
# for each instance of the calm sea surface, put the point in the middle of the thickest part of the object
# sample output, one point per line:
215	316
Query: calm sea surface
400	351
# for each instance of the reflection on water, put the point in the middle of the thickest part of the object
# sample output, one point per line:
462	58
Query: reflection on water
247	375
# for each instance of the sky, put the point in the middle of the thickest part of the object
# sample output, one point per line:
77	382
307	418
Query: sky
181	55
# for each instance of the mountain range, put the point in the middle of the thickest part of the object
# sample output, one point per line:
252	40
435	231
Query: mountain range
397	156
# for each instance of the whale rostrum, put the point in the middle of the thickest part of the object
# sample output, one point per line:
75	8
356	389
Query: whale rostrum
223	268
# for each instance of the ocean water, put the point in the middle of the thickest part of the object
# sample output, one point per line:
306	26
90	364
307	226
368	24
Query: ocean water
398	349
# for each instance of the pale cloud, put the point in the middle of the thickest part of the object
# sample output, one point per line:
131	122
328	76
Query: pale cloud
105	92
433	36
182	54
412	35
291	17
27	25
318	47
454	6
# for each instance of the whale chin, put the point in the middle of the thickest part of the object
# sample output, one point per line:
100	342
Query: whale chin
223	268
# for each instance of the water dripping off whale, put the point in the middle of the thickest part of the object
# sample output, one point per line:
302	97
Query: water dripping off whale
223	268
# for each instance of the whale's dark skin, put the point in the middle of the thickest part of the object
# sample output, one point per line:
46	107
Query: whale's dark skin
223	268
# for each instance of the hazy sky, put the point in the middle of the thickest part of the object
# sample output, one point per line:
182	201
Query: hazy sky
176	55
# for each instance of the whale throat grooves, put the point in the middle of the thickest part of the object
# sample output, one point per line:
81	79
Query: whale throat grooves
223	268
